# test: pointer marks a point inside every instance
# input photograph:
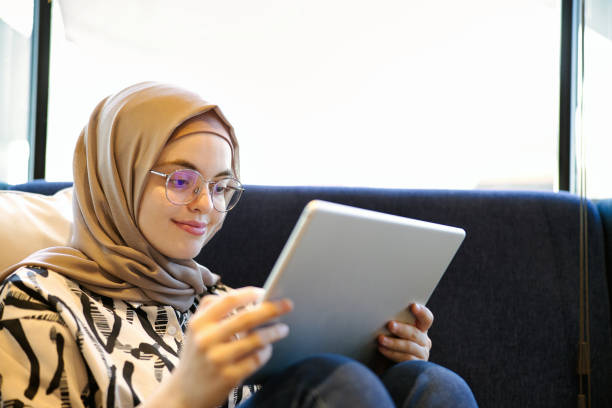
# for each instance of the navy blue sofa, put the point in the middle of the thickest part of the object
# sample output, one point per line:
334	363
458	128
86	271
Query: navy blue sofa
507	308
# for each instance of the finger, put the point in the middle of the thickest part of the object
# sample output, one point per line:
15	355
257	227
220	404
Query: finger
403	346
397	356
408	332
230	352
219	307
424	317
247	320
248	365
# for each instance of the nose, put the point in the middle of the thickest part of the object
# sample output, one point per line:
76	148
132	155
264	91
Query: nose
203	201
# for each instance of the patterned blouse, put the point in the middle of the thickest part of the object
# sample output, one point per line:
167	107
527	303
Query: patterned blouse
61	345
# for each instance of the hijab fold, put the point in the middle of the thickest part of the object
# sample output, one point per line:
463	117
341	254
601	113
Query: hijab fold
115	151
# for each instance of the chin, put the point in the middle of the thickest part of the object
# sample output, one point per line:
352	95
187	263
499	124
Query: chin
188	251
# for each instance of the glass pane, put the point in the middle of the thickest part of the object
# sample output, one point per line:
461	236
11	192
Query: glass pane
597	88
16	18
433	94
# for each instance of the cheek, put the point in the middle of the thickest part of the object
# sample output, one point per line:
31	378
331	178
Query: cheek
153	208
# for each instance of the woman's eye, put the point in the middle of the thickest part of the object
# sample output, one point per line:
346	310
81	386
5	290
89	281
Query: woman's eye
218	189
179	183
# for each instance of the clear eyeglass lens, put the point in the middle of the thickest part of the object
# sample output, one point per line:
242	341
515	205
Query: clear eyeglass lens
183	186
225	193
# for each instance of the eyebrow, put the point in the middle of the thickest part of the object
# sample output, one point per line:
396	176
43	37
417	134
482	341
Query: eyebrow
189	165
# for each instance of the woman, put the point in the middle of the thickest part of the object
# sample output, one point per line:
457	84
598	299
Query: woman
101	323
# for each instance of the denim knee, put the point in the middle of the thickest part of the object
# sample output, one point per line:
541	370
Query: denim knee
326	369
426	384
325	380
319	365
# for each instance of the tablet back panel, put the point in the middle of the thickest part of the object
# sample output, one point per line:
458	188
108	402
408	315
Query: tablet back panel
348	272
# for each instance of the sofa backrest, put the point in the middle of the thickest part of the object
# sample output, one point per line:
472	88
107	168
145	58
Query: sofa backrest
506	309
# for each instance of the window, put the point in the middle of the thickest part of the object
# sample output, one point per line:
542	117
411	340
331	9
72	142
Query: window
597	90
16	18
439	94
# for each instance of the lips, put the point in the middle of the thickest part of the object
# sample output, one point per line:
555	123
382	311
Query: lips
192	227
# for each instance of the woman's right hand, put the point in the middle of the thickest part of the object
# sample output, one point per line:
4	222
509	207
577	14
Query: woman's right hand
224	345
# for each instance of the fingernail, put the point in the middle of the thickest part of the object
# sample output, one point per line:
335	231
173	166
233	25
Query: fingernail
285	304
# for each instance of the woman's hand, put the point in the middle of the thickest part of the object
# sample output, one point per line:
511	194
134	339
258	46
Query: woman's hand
215	358
408	342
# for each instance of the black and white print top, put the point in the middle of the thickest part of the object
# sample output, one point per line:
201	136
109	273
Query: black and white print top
61	345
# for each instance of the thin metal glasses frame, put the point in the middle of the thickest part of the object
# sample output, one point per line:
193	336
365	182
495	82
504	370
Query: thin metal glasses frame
197	193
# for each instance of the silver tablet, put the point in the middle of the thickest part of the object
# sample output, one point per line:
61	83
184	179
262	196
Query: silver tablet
349	271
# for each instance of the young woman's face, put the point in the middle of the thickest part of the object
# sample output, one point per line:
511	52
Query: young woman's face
180	231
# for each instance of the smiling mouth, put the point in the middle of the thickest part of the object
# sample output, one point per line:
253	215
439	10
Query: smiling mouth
192	228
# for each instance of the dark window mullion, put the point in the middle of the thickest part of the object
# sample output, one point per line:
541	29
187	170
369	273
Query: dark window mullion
568	89
39	87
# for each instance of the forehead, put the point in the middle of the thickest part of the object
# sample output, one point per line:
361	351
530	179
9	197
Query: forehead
201	143
197	146
207	153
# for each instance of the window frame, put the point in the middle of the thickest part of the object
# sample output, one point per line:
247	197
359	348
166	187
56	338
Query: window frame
568	91
570	24
39	88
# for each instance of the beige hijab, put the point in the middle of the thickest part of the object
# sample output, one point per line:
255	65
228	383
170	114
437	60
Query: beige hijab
114	153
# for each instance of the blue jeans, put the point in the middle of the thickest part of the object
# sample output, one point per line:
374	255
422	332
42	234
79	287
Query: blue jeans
329	380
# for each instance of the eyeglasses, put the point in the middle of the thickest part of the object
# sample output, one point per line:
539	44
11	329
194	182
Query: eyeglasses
183	186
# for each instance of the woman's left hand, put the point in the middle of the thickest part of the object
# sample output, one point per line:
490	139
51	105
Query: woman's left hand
408	341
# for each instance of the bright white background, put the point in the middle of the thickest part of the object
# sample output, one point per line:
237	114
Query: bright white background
436	94
597	114
15	32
